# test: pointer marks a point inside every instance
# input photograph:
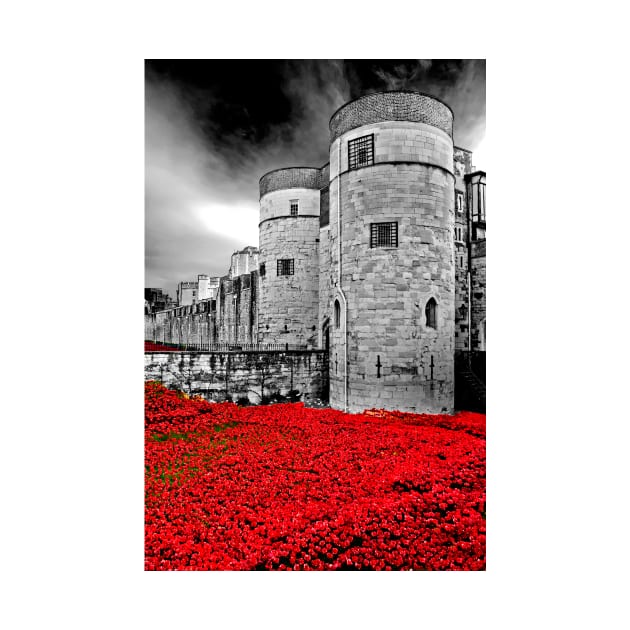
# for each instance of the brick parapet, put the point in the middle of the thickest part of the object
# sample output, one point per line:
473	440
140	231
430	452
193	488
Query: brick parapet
291	177
391	106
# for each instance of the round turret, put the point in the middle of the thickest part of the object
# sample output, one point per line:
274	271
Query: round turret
289	274
390	288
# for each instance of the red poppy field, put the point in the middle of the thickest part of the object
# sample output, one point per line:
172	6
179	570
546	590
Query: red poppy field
285	487
149	346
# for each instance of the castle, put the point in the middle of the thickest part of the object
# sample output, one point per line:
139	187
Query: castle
377	257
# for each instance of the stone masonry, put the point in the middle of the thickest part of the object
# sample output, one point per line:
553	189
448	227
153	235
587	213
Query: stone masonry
394	360
236	376
387	317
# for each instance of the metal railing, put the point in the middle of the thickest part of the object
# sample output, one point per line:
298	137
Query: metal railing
158	346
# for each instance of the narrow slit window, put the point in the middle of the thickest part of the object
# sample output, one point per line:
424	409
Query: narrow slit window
459	201
384	234
337	314
431	313
294	207
361	151
262	269
285	266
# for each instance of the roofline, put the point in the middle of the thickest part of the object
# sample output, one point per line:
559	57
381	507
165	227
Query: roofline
478	172
392	92
288	168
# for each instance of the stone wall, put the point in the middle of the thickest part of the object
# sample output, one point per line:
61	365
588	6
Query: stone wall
478	297
462	165
235	376
230	318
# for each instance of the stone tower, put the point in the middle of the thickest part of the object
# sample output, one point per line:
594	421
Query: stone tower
387	294
288	259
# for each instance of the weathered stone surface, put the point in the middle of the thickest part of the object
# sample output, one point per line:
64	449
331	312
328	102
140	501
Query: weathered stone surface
386	308
235	376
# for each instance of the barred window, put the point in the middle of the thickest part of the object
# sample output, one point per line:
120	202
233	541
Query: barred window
285	266
294	207
431	313
361	151
262	270
384	234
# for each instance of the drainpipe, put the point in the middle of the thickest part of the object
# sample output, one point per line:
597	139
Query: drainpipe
339	289
469	243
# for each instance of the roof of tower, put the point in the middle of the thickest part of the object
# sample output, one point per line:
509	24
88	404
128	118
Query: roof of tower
402	105
291	177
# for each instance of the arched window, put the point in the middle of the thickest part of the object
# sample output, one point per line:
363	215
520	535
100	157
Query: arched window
431	313
337	313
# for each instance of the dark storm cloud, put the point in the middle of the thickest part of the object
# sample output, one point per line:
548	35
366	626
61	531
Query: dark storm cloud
204	158
213	128
182	175
461	83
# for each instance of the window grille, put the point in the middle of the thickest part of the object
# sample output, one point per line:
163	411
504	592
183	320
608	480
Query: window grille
431	313
262	269
285	266
361	151
384	234
294	207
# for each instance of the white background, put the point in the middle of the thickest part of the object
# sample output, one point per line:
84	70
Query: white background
72	146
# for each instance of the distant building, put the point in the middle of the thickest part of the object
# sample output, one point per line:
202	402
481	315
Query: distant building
187	293
243	261
204	288
207	287
156	300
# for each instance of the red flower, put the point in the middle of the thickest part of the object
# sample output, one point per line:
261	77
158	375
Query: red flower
284	487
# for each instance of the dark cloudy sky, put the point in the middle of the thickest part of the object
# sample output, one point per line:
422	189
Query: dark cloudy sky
214	127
